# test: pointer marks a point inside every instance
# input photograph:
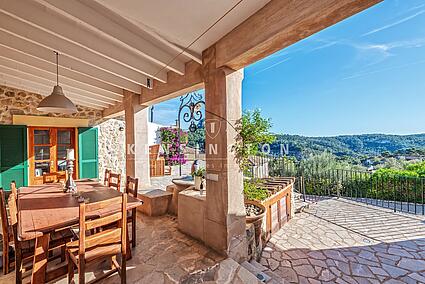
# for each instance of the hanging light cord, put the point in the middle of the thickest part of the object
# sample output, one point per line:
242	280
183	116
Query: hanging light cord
57	68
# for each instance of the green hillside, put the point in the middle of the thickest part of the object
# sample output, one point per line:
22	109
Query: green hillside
353	146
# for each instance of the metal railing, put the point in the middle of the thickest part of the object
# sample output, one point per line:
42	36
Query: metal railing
399	193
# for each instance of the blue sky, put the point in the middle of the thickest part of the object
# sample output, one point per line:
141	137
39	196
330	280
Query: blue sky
363	75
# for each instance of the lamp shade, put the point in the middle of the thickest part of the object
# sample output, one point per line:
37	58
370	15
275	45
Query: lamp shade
57	102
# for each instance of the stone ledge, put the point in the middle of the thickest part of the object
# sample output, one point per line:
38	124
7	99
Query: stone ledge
155	202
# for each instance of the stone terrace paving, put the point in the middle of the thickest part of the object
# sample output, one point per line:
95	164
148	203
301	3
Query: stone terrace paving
341	241
162	255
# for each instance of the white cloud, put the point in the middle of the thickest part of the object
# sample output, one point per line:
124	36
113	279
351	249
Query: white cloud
363	74
394	24
273	65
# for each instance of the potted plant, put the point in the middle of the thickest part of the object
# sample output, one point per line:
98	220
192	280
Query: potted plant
199	176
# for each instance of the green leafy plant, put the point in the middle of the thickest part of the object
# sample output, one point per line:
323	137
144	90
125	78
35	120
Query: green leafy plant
253	192
253	131
199	173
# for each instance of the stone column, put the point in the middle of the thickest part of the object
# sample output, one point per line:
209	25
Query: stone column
142	147
224	225
136	139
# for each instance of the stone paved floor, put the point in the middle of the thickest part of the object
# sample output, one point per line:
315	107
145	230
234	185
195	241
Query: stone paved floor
162	255
340	241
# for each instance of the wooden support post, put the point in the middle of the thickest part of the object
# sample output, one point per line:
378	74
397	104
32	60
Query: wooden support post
225	211
131	102
136	138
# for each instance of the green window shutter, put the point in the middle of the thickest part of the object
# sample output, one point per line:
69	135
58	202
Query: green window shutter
87	153
13	155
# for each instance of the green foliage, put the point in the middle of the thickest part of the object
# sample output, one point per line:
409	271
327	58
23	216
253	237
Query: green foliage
353	148
197	137
394	173
252	191
253	130
199	172
418	168
321	162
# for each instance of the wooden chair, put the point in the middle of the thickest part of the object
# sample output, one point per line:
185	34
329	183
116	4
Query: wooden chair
114	181
105	244
131	188
24	250
106	178
13	188
6	231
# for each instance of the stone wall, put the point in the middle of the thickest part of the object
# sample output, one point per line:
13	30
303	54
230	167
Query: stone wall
14	101
111	147
111	141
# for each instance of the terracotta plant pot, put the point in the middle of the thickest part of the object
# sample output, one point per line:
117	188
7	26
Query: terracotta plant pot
257	220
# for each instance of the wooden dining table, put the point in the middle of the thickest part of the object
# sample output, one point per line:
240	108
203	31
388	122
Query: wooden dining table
43	209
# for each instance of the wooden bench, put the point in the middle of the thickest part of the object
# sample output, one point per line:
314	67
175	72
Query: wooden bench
155	202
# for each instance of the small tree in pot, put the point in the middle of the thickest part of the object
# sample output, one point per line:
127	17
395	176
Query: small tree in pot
199	176
253	131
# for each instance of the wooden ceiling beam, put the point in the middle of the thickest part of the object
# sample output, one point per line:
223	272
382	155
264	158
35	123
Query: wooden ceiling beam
77	37
176	85
279	24
116	28
41	52
50	67
114	111
88	90
49	86
40	77
25	85
77	52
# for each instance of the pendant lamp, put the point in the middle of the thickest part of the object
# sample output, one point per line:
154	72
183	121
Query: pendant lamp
57	102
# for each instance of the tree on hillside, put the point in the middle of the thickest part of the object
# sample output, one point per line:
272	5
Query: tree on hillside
323	162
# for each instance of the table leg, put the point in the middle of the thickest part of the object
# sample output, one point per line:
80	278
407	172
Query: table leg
40	259
128	246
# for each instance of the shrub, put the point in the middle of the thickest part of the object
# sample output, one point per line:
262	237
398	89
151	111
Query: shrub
253	192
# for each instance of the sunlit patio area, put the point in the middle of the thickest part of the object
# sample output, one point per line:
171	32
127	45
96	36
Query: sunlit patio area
341	241
88	193
162	255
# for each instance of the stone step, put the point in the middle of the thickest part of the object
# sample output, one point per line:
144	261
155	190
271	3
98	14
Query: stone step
301	205
263	274
226	271
298	196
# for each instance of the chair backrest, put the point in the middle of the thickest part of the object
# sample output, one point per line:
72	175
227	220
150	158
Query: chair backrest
13	210
116	235
13	213
4	219
132	186
114	181
106	178
13	188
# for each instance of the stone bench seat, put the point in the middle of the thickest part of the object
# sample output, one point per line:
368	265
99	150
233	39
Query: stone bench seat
155	202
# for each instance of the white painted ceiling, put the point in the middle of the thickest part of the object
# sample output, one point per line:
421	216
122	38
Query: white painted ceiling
106	46
182	21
